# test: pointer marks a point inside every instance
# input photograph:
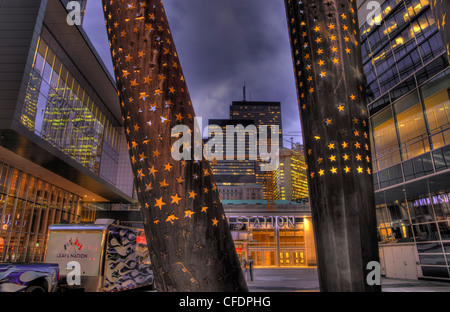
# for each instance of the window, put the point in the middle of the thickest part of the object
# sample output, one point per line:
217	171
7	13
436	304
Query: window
436	95
385	139
411	126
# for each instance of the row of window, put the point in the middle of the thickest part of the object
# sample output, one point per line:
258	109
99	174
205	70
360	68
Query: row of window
28	206
407	39
413	125
59	110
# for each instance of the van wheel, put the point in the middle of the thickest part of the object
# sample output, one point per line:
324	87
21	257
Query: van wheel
35	288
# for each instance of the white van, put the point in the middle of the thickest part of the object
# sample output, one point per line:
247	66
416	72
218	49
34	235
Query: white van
99	257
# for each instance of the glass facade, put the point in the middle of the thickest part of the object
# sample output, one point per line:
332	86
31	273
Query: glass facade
60	111
290	182
28	205
408	96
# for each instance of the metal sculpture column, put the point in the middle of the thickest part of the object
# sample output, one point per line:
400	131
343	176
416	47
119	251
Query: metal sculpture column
324	39
189	241
440	9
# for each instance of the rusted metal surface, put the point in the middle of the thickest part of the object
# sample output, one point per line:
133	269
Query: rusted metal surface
188	236
325	45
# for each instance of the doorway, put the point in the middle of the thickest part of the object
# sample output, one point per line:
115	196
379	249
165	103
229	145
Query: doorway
292	258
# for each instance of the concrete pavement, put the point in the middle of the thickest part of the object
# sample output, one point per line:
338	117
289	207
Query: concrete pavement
306	279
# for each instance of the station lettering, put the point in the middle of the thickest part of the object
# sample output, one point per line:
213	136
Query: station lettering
245	222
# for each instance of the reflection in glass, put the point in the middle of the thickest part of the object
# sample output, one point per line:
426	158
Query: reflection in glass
421	209
411	126
432	259
59	110
385	139
436	100
429	248
426	232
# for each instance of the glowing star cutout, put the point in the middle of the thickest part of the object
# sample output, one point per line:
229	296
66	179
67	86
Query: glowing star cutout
168	167
171	218
192	194
175	199
163	184
159	203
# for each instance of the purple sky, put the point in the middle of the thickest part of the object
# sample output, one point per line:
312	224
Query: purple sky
221	44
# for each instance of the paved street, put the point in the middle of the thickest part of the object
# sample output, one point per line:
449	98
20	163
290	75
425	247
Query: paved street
290	280
306	280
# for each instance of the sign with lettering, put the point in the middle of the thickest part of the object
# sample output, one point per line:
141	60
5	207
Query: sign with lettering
242	223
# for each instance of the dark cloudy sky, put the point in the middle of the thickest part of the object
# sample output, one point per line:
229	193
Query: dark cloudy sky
221	44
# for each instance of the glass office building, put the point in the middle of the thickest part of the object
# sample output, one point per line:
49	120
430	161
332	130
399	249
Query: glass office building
62	146
408	97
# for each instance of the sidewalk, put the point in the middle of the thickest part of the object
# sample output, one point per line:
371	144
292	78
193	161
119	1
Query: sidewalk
306	280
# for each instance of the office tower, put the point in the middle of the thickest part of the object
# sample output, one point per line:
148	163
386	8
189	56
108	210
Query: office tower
261	112
408	83
61	139
290	181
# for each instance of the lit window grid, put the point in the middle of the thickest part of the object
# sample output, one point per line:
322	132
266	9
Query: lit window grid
422	221
419	20
28	206
364	37
73	102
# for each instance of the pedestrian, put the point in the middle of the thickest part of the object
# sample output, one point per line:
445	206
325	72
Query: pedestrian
250	265
244	266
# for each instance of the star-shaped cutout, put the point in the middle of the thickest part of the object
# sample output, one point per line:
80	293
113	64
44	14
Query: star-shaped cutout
192	194
168	167
175	199
163	184
153	171
159	203
171	218
188	213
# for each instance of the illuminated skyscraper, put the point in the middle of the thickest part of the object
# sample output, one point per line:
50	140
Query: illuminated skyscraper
262	113
290	181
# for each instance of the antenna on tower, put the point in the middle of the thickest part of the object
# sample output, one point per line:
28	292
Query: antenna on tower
244	91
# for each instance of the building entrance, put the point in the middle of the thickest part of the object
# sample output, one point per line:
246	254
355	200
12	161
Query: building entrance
292	258
263	257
